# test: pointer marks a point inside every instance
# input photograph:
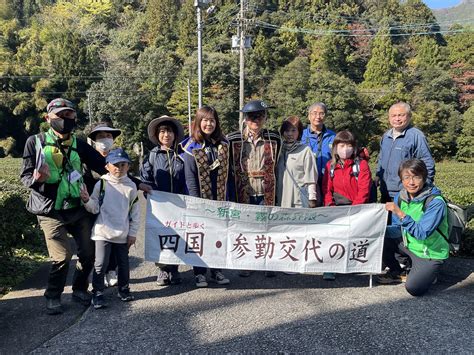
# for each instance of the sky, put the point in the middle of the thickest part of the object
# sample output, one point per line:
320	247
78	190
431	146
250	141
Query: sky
440	4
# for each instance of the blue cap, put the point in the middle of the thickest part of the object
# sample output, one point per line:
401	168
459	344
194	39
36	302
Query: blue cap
117	156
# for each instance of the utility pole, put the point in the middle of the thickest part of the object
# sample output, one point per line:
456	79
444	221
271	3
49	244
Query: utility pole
242	61
189	108
89	110
199	33
199	5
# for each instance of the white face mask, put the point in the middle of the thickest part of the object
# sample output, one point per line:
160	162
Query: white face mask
345	153
104	144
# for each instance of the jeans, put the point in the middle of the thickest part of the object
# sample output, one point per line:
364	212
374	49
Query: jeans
56	227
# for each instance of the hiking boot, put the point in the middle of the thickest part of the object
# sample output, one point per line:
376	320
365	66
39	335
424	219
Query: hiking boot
175	277
201	281
329	276
270	274
53	306
98	300
111	278
83	297
125	295
163	278
219	278
244	273
389	279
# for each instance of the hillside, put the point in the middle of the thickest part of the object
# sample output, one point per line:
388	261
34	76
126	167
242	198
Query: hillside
462	14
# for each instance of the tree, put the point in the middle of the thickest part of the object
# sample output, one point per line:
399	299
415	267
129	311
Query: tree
161	17
466	139
383	66
288	91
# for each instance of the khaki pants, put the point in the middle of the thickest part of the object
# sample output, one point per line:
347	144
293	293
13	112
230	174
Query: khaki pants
56	227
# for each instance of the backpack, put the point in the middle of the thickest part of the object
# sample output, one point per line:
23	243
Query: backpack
362	154
457	220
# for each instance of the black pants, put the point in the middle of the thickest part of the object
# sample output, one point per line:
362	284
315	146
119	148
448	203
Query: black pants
102	257
422	273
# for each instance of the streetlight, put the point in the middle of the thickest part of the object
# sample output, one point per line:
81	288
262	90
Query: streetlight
200	4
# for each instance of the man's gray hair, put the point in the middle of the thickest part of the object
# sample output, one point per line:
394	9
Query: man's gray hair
318	104
406	106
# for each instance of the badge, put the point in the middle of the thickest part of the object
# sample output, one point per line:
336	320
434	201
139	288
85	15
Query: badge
74	176
215	164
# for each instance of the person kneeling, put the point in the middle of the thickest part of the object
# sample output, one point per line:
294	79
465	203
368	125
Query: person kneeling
416	231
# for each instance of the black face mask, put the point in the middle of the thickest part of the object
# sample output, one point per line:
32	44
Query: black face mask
63	126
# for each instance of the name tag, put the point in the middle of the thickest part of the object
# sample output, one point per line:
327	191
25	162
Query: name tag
74	176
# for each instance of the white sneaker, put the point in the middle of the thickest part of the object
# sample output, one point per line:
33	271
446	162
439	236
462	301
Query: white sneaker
111	278
219	278
201	281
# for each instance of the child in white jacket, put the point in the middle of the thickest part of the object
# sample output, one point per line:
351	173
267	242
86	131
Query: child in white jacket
115	199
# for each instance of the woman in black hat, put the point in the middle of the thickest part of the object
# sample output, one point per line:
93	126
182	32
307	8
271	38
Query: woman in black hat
163	169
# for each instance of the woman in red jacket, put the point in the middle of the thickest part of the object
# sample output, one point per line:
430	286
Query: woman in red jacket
347	179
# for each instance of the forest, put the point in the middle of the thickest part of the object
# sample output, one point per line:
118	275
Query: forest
131	61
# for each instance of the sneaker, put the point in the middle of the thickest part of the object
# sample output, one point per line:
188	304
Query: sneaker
219	278
329	276
389	279
125	295
83	297
163	278
201	281
270	274
111	278
244	273
98	300
175	277
106	283
53	306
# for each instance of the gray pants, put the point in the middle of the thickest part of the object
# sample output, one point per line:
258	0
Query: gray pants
103	249
423	272
56	227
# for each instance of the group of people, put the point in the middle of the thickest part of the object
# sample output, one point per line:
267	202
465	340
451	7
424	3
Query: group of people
85	189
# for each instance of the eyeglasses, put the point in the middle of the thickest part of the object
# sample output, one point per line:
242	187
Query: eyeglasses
415	178
317	113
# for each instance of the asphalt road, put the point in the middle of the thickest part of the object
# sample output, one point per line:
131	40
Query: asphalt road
285	314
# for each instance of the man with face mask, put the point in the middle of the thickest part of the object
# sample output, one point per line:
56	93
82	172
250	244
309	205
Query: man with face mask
53	170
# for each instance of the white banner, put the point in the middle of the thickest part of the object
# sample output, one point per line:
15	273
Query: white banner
194	231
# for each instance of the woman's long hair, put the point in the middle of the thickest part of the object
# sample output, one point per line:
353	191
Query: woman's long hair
197	133
343	137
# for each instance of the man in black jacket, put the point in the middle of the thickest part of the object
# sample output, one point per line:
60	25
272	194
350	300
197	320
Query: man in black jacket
52	169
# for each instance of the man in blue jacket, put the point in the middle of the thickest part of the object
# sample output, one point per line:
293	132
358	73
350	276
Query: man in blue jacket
319	139
401	142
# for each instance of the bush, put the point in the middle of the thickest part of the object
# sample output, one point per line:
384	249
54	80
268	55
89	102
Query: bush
18	227
6	146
